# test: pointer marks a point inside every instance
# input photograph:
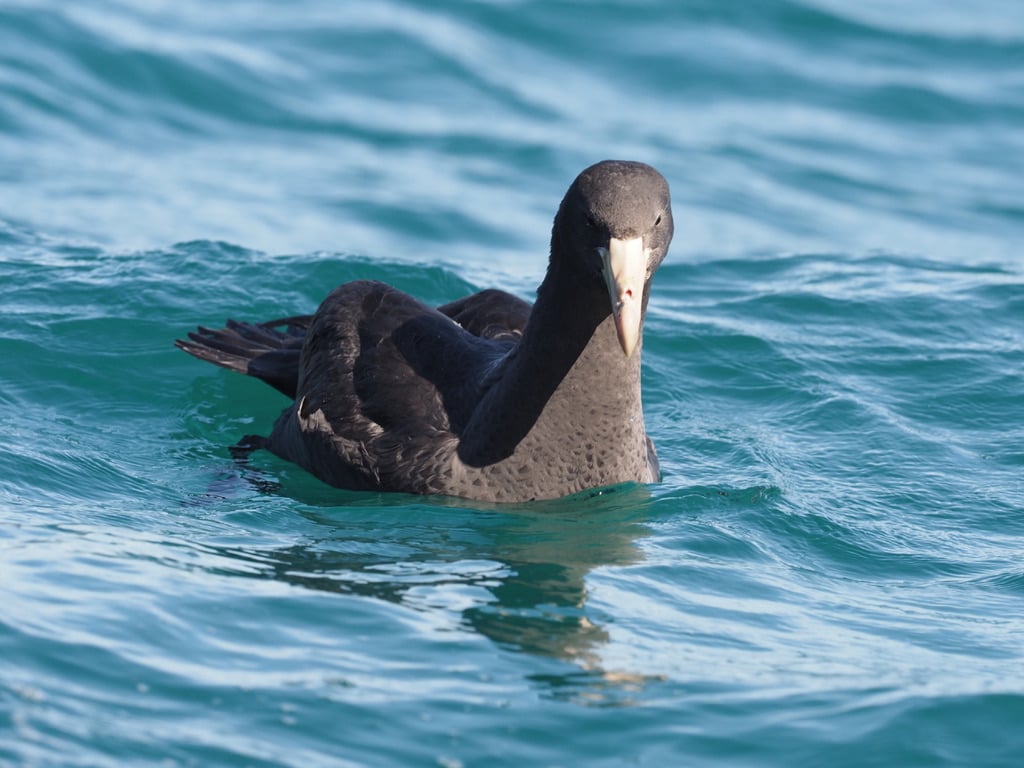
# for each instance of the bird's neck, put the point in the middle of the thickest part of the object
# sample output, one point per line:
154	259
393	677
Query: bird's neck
568	375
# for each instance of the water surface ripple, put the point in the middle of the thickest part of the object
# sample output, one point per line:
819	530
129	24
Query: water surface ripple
829	572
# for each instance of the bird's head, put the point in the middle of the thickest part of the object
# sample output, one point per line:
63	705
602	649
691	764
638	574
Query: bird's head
613	229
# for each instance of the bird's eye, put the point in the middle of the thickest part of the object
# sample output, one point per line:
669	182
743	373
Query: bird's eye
657	221
592	223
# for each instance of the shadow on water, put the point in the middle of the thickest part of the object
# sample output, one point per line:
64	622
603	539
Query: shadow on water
515	574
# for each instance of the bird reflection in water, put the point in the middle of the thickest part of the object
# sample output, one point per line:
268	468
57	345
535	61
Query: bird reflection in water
515	574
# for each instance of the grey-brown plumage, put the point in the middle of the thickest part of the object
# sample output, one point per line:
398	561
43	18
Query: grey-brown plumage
484	398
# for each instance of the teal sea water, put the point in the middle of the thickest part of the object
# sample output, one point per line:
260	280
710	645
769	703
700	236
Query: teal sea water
830	573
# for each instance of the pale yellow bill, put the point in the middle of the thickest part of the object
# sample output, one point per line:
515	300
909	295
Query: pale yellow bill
625	267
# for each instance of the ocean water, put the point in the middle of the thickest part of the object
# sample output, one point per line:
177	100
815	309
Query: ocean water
831	571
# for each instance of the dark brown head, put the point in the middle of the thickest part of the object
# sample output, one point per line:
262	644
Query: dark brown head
613	230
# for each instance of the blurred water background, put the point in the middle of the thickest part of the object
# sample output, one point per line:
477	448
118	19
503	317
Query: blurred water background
831	571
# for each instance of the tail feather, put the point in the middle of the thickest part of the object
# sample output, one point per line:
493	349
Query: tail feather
255	349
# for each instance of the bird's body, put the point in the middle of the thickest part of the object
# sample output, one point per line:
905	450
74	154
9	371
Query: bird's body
486	397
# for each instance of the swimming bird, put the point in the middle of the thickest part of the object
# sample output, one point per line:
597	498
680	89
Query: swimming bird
484	398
